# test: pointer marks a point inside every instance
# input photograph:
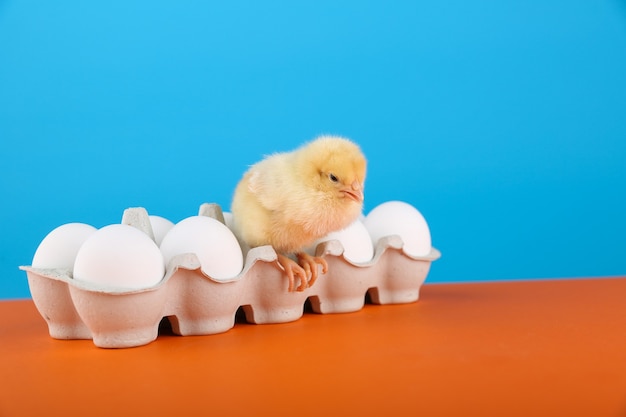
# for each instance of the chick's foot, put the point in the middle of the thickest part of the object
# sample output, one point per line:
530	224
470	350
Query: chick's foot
293	271
309	263
305	269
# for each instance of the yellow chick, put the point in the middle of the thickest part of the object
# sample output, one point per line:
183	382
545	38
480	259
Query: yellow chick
289	200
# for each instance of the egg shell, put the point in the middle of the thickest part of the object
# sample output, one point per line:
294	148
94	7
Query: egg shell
211	241
59	248
400	218
119	256
160	227
356	242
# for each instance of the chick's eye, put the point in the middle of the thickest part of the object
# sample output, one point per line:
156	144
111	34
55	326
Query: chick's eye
332	177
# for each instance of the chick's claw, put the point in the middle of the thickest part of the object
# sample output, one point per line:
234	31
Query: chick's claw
293	271
305	270
309	263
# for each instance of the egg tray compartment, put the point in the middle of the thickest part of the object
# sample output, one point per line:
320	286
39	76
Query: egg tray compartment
195	304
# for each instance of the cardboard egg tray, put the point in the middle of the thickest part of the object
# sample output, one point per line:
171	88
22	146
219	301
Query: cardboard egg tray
196	304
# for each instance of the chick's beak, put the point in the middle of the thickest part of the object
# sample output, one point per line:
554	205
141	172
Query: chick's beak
354	191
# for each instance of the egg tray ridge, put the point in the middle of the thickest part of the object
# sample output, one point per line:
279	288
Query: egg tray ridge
196	304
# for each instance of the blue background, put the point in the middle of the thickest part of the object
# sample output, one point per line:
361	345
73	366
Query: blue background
504	123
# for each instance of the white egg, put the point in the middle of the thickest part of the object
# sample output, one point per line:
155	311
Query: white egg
355	240
213	243
58	249
399	218
160	227
119	256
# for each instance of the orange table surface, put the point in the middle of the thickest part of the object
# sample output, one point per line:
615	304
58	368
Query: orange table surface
532	348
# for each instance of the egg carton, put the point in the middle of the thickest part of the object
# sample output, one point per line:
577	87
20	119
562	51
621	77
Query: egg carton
196	304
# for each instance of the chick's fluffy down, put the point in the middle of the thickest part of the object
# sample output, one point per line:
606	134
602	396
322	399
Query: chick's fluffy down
288	200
